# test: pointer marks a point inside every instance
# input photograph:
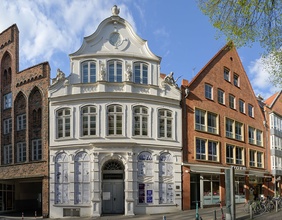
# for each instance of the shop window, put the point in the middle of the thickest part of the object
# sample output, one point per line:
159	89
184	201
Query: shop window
145	193
81	178
145	164
210	189
61	179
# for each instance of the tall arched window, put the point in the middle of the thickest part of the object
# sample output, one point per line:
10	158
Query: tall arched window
115	120
81	178
165	123
141	73
166	186
140	120
63	123
88	70
89	120
61	179
115	71
145	172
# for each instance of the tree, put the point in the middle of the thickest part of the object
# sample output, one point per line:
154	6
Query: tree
247	21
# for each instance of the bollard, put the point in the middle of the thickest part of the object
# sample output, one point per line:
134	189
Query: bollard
214	214
164	218
35	214
22	216
251	211
276	205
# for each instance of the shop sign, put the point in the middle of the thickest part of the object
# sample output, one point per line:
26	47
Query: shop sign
238	168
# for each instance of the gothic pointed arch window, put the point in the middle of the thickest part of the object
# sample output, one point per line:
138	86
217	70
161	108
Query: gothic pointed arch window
61	179
82	178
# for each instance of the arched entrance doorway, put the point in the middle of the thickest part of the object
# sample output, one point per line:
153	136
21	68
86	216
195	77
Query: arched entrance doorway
113	187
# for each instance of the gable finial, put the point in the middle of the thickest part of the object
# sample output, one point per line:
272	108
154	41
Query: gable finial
115	10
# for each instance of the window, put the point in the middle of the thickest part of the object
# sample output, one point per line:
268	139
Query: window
208	91
8	126
256	159
21	152
115	71
236	80
241	106
255	136
115	120
63	123
251	135
81	178
238	131
250	110
229	128
166	193
165	123
61	179
206	121
232	101
88	70
234	129
21	122
36	149
165	165
234	154
89	116
8	154
141	73
206	150
145	193
8	100
145	164
259	137
220	96
227	74
140	121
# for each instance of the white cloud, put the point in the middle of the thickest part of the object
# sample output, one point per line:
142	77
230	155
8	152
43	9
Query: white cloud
259	77
51	27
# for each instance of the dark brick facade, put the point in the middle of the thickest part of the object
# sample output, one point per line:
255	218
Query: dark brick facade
29	89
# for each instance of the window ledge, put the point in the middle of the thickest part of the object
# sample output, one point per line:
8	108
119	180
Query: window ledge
142	137
65	139
67	205
115	136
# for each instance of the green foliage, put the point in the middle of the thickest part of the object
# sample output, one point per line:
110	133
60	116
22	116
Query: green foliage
247	21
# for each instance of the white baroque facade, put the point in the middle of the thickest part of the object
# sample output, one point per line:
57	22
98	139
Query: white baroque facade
115	129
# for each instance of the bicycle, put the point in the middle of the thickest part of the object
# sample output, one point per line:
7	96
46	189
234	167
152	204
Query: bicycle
197	217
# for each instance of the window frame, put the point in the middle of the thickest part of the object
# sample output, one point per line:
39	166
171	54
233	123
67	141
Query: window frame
7	100
251	110
115	122
165	121
242	108
88	76
221	96
63	123
143	73
236	81
8	154
140	118
232	131
256	158
36	149
203	122
115	70
89	121
7	126
21	152
208	91
232	101
234	154
226	74
205	151
21	122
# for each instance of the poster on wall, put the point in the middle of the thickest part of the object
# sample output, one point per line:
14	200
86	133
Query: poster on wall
149	196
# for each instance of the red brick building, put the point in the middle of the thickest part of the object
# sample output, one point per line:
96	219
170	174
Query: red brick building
24	130
225	128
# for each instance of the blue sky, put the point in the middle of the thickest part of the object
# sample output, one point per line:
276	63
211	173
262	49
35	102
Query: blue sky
177	31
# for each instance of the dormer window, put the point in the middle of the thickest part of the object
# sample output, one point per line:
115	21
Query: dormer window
141	73
115	71
88	70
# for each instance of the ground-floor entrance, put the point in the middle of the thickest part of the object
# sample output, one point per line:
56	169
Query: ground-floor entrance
113	188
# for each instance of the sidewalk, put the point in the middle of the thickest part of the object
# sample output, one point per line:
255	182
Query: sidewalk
206	214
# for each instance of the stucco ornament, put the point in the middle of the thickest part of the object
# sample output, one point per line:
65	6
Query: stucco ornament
60	75
128	73
102	72
115	10
169	79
